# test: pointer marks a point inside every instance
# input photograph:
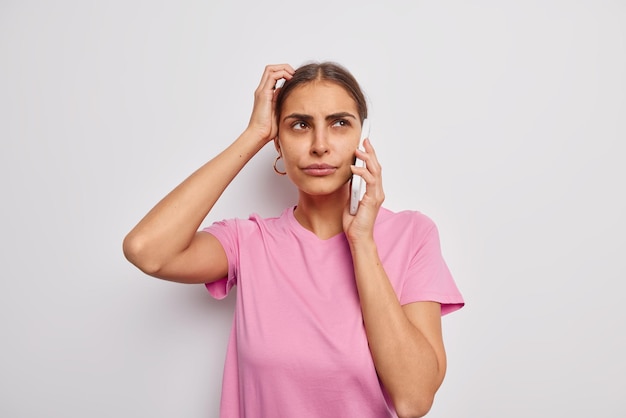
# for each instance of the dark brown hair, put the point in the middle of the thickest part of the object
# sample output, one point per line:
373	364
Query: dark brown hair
323	71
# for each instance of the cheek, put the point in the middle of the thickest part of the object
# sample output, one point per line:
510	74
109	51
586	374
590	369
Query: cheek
294	145
291	154
350	151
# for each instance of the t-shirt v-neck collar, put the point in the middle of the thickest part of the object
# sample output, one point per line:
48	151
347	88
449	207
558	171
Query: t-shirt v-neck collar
306	234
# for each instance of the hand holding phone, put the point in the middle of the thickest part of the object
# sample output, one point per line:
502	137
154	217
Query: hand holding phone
358	186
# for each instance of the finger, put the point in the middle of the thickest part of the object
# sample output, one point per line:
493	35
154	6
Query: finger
273	73
277	79
374	192
268	87
278	67
372	171
369	157
276	91
283	69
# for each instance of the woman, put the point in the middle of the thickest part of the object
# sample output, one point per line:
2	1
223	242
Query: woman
336	315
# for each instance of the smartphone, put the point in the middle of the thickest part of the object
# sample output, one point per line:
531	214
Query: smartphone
357	187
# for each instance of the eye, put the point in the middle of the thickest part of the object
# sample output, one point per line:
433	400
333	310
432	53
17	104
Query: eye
299	125
341	123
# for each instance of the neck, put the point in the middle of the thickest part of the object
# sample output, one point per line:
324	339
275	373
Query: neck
322	215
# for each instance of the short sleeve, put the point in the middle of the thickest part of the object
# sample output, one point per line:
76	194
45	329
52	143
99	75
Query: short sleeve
226	233
428	276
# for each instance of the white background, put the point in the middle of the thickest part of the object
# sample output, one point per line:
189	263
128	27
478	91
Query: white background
503	121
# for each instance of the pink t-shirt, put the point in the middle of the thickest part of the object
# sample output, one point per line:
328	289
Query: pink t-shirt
298	346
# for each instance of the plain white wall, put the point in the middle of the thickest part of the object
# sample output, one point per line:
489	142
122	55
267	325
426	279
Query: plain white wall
502	121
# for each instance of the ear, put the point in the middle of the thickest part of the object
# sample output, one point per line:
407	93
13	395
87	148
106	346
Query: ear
277	144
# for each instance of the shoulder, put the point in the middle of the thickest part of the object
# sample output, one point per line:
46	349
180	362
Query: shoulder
403	220
253	224
409	228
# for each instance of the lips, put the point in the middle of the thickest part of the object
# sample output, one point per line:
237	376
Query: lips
319	169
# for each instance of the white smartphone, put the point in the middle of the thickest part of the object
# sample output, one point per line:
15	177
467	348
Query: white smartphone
357	189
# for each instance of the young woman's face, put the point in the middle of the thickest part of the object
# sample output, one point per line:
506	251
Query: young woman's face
318	133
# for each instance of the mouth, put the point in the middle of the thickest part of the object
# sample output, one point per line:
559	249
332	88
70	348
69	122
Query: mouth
319	169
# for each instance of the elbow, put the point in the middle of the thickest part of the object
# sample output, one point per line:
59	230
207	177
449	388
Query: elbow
414	408
138	253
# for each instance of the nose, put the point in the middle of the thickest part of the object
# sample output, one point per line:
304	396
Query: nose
319	146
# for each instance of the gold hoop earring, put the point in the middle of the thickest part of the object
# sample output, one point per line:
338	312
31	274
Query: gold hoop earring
282	173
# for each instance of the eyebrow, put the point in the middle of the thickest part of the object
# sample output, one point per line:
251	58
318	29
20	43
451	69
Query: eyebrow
332	116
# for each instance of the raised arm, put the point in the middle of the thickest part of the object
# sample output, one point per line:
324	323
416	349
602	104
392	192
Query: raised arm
166	242
405	341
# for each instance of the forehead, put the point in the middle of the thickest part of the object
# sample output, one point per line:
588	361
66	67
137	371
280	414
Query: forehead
322	97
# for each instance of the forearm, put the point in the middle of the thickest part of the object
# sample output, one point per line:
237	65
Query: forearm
170	226
405	360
